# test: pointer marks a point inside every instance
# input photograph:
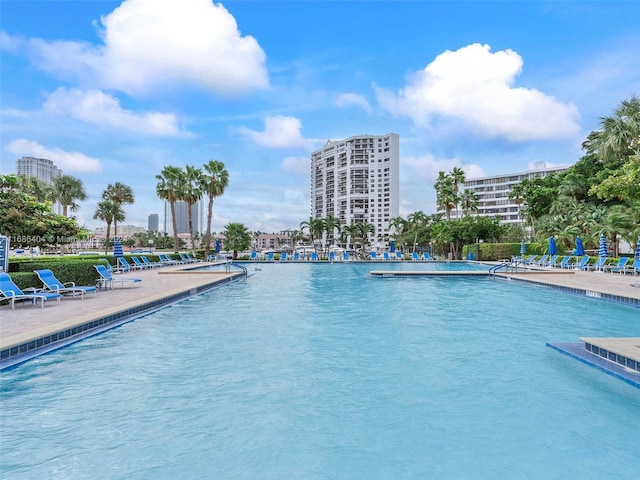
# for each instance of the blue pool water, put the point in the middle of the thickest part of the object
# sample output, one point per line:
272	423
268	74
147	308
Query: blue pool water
323	372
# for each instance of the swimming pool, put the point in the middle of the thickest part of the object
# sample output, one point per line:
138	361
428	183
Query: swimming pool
316	372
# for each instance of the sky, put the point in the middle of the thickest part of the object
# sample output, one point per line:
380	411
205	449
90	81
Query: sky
114	91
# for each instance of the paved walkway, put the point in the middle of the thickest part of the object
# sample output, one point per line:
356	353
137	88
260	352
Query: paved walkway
27	322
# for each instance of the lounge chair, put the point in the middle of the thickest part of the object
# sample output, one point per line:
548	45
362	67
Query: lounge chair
565	262
599	265
283	257
192	258
634	268
52	284
620	267
254	256
184	258
10	291
149	263
296	256
386	256
139	264
552	261
414	256
345	256
374	255
167	260
270	257
125	266
314	257
529	260
426	256
107	280
583	264
541	261
399	255
332	257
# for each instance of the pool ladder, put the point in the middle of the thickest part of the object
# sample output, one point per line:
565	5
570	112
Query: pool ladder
495	268
241	267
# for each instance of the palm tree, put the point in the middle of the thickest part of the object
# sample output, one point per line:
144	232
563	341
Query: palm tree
330	224
118	193
168	189
398	224
363	230
215	180
416	221
109	212
350	233
66	190
237	238
315	227
616	222
190	193
620	133
458	178
470	201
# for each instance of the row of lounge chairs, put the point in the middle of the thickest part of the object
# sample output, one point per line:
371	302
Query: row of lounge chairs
143	263
344	256
580	263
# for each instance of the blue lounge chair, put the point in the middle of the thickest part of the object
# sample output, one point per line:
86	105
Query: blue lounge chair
184	258
345	256
296	256
167	260
52	284
386	256
414	256
149	263
332	257
529	260
107	280
541	261
254	256
399	255
374	255
565	262
125	266
426	256
583	264
634	268
139	264
599	265
10	291
620	267
552	261
314	257
192	258
283	257
270	257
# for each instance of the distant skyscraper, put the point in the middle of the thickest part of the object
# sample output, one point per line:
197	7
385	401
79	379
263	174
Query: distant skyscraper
40	168
182	218
154	221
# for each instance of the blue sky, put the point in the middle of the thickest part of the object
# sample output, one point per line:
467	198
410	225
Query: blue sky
114	91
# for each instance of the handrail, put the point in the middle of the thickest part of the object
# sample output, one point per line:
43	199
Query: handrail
495	268
241	267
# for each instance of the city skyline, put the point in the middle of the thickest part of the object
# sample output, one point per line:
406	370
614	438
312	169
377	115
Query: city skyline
491	87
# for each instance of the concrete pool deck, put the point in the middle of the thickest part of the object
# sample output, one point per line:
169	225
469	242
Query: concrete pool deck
28	326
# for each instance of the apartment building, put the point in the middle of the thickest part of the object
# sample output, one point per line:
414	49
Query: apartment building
357	180
40	168
493	193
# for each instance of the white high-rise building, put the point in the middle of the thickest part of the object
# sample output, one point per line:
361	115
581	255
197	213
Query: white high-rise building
358	180
40	168
493	193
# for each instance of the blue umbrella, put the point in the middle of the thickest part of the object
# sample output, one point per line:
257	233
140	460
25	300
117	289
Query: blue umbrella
392	246
579	247
217	245
602	251
117	247
637	255
553	248
523	248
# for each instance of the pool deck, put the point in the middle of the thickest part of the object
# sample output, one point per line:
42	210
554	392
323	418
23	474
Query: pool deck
31	328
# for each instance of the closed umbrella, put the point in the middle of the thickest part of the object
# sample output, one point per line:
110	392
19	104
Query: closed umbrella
523	248
553	248
217	245
602	250
579	247
117	247
637	255
392	246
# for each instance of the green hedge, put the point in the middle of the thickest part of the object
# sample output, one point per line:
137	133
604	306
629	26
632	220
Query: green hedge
500	251
78	270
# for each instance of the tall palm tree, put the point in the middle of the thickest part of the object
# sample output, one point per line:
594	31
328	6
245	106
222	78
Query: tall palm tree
470	201
118	193
516	194
416	220
398	224
108	211
330	225
458	178
350	233
364	229
168	189
66	190
215	180
619	136
616	222
315	227
191	193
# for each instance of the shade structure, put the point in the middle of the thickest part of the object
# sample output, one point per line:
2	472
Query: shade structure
579	247
602	250
392	246
117	247
217	245
637	255
523	248
553	248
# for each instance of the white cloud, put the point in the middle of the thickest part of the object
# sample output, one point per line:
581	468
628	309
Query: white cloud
97	108
298	165
428	166
66	161
476	86
150	44
348	99
296	197
279	132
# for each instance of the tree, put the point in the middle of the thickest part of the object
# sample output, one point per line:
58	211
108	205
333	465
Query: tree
190	193
349	233
470	201
363	230
237	238
457	178
215	180
315	227
446	196
168	189
118	193
330	225
66	190
109	212
416	221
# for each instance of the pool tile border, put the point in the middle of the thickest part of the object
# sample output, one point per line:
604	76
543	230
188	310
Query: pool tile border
17	354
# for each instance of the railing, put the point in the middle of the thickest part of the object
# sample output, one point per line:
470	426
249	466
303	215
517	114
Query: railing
241	267
495	268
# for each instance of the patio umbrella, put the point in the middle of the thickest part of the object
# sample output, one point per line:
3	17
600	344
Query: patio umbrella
217	245
523	248
117	247
579	247
392	246
602	250
637	255
553	248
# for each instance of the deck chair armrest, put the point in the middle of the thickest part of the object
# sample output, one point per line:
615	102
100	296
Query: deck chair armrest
69	284
33	290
